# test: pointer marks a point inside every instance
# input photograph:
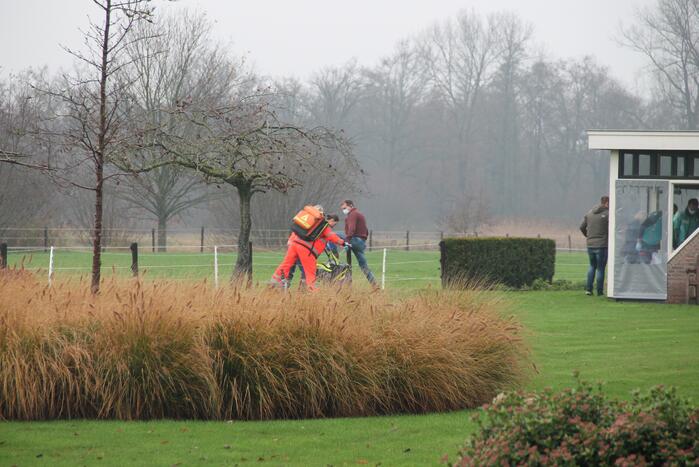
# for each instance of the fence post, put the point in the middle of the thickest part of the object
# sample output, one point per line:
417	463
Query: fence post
443	262
441	236
250	265
383	270
538	235
3	255
134	259
46	239
570	245
371	239
349	264
215	266
407	240
201	249
50	265
152	239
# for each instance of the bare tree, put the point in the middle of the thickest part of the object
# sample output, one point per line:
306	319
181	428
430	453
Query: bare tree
24	195
513	36
247	147
468	215
395	88
96	130
336	93
176	61
668	35
460	56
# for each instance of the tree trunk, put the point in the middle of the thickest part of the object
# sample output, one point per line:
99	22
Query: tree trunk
97	231
162	234
243	264
99	156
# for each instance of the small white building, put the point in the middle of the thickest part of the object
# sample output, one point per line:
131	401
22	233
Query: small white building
652	174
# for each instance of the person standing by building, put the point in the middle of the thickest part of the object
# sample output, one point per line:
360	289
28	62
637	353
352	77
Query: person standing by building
595	227
356	234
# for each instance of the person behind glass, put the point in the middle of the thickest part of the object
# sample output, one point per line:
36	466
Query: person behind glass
595	227
356	233
685	222
650	236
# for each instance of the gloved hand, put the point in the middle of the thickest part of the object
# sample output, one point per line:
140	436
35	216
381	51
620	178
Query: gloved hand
347	246
639	246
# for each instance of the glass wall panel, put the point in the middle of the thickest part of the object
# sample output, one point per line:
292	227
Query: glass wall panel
644	165
665	166
628	164
696	167
680	167
640	257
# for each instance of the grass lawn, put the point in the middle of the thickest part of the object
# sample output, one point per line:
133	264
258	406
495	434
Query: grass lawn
404	269
627	345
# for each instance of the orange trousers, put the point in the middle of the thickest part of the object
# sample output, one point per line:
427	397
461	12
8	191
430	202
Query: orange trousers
308	262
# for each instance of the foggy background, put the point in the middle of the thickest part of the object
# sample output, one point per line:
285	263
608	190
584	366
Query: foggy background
463	114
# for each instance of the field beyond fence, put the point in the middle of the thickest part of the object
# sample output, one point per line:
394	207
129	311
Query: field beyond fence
416	268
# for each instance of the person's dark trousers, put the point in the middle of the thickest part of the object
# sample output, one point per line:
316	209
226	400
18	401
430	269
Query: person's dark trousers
358	246
598	262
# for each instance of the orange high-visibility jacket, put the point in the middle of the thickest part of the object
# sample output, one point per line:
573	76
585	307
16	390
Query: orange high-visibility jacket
317	247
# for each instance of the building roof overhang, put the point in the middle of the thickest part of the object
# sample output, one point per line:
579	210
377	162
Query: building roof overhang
643	140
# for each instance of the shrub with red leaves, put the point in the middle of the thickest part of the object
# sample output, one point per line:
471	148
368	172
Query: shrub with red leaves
579	426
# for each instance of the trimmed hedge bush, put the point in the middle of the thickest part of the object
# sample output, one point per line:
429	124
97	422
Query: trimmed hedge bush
579	426
515	262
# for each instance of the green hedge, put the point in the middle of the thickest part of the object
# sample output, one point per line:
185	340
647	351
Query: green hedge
515	262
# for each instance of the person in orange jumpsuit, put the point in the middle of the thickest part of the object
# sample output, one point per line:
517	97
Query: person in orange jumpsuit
307	253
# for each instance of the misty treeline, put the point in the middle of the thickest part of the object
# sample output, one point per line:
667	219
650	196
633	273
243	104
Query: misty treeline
461	124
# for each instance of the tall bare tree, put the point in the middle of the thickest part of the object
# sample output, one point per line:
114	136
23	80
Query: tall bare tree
97	120
667	34
175	61
336	93
460	55
513	36
395	88
25	198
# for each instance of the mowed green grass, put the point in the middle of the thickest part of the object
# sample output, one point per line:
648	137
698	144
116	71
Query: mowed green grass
404	269
627	345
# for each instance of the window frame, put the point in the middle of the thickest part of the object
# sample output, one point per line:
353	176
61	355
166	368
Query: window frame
691	161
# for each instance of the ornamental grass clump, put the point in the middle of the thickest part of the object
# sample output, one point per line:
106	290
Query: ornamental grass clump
184	350
580	426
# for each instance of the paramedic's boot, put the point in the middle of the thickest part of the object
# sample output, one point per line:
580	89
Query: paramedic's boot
277	282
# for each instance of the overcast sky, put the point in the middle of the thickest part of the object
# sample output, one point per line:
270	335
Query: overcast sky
298	37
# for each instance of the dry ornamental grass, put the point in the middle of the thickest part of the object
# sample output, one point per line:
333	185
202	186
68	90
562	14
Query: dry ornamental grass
185	351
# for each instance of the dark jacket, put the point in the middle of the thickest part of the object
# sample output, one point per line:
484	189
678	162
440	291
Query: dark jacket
595	226
355	225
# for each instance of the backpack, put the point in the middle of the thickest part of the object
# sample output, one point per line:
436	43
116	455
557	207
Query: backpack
308	224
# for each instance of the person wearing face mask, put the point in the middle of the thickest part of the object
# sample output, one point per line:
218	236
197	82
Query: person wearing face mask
595	227
685	222
356	233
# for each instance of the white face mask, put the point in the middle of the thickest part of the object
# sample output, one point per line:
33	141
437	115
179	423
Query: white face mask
692	211
345	211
